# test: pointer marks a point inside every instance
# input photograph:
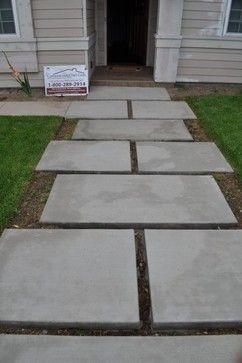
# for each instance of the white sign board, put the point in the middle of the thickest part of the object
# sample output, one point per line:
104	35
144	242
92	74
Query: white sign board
69	80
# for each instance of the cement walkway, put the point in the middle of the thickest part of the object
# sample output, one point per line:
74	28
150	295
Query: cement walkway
87	278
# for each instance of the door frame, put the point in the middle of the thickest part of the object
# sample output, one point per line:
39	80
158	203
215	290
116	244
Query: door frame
106	32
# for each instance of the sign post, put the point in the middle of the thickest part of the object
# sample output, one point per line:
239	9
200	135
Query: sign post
69	80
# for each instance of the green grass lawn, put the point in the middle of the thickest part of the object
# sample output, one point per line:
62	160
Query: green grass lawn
221	116
22	141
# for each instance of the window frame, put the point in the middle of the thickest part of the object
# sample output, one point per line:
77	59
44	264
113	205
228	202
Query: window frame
16	23
226	22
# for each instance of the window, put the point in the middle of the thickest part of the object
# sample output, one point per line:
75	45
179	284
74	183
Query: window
7	23
235	17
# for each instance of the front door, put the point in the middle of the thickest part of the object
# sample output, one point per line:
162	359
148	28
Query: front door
127	29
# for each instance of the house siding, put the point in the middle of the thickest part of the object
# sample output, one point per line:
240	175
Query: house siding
202	18
73	31
206	55
46	58
58	18
58	28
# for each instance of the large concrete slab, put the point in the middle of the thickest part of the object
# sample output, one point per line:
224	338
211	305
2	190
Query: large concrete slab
131	130
162	110
195	277
137	200
128	93
190	349
86	156
83	278
34	108
181	157
98	109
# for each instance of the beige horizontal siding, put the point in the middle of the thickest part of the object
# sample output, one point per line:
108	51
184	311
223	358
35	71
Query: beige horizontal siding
210	65
57	14
58	18
203	17
46	58
204	5
56	4
210	79
22	61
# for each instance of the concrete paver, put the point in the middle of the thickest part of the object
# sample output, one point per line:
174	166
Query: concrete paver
181	157
162	110
59	349
128	93
132	130
195	277
137	200
72	278
34	108
86	156
98	109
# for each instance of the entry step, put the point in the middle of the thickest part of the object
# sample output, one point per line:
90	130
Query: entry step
137	200
171	130
69	278
162	110
181	157
195	278
86	156
60	349
128	93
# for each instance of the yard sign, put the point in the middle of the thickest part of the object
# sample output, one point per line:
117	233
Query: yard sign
69	80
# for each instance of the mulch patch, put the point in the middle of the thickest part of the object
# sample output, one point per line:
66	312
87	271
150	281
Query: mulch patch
33	201
38	189
66	129
180	91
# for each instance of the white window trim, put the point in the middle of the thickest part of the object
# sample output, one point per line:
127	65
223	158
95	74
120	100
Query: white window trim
226	23
15	17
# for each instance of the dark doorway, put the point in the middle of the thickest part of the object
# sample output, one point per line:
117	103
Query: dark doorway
127	29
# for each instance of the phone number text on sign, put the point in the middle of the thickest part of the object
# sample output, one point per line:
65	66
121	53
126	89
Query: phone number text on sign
66	80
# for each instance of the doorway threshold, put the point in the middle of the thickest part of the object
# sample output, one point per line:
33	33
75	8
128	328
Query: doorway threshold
123	75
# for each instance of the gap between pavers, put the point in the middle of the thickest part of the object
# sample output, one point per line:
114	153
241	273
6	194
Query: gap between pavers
127	93
69	278
172	130
180	158
137	201
190	349
86	156
162	110
195	278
